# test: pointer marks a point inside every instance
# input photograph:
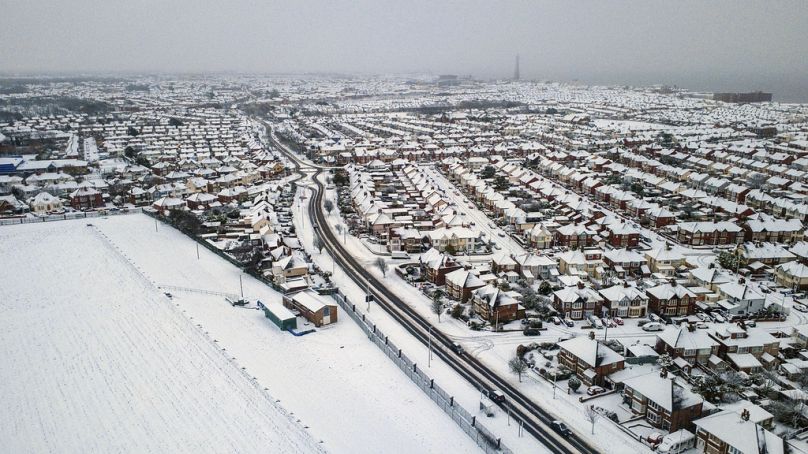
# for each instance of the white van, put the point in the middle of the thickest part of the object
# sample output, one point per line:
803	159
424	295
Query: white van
653	326
677	442
400	255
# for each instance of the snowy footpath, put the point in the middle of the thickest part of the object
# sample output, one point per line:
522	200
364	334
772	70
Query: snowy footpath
96	359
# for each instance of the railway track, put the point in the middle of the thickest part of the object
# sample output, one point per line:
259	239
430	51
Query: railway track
536	420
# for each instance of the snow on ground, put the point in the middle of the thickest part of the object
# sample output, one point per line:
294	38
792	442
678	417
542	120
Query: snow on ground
465	394
96	359
494	349
334	380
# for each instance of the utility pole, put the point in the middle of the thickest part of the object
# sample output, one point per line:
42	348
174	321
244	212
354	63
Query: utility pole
241	286
155	224
197	251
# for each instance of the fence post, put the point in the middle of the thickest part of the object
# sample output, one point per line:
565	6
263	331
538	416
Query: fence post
473	421
451	401
431	383
385	340
414	367
399	353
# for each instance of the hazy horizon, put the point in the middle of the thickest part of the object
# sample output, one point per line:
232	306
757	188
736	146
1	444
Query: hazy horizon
713	46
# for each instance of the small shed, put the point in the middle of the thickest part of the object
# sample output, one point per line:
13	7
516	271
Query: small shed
313	307
279	315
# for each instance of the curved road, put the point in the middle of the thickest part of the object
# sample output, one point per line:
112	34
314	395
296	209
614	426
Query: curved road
536	419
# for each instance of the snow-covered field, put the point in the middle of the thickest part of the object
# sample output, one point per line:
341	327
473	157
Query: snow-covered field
96	359
334	381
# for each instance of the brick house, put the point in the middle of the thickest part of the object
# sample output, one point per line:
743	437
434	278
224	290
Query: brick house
671	299
493	304
86	198
460	283
313	307
693	345
666	404
590	360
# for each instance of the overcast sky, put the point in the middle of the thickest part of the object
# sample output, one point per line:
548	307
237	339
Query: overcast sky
751	44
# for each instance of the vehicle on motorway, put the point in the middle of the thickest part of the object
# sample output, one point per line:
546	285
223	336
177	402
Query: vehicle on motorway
595	390
496	396
457	348
618	321
561	428
653	326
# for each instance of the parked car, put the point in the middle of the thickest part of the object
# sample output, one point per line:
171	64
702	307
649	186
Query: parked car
750	323
718	318
556	321
595	390
704	317
701	325
618	321
531	332
561	428
800	307
569	323
653	326
608	322
655	318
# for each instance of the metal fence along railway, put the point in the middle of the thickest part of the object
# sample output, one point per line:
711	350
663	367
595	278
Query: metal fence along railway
484	438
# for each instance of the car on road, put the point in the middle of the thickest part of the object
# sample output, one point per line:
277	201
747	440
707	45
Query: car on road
561	428
701	325
618	321
501	233
457	348
496	396
492	225
653	326
595	390
471	205
750	323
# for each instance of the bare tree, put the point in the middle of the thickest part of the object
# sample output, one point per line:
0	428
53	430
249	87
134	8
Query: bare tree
382	264
518	366
329	206
437	303
591	415
319	244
